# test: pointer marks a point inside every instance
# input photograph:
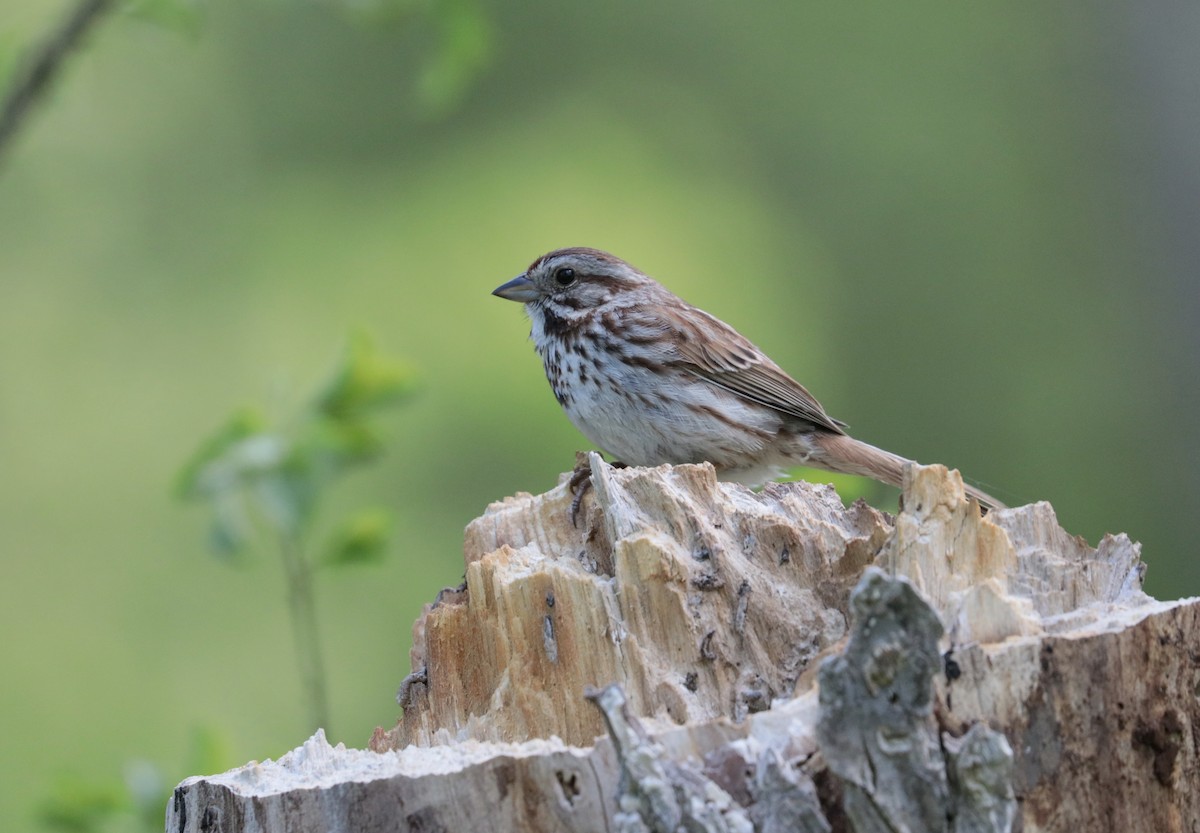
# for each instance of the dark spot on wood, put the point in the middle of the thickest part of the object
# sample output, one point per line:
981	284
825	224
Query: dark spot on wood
691	681
1163	739
1046	658
425	820
739	615
505	775
180	803
568	786
756	700
952	669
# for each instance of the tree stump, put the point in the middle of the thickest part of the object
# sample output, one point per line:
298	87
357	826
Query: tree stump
988	673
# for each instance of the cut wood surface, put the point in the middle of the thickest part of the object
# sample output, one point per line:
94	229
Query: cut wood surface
1041	688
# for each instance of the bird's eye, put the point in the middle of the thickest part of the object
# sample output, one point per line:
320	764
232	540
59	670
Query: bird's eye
564	276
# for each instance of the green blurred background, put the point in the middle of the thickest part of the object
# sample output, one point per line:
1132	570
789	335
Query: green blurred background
970	230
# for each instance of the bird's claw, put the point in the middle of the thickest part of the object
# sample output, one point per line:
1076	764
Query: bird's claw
581	482
578	485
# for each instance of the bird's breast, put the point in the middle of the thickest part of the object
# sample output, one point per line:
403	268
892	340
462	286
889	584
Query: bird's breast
627	400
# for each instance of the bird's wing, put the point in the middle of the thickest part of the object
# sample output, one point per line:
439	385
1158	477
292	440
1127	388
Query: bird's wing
719	354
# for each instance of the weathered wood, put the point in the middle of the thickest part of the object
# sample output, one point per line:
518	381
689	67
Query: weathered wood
701	598
712	607
878	734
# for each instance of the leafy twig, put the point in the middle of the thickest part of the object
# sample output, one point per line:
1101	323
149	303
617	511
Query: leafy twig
34	80
256	476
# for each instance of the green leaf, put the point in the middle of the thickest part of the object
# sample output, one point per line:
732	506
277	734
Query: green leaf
465	49
253	476
231	526
225	540
367	379
330	445
194	478
361	539
286	497
81	806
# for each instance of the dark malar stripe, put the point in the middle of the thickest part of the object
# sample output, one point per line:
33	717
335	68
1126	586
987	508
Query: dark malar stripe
571	302
558	325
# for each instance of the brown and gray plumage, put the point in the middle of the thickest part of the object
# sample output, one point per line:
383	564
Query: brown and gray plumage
651	379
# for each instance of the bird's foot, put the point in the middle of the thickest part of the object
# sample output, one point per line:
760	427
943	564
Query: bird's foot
581	483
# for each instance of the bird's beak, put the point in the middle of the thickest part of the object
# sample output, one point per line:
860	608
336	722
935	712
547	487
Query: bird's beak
519	288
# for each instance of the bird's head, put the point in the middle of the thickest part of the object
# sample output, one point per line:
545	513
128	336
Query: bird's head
568	282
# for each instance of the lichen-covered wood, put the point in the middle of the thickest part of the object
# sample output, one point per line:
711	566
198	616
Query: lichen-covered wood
713	608
878	734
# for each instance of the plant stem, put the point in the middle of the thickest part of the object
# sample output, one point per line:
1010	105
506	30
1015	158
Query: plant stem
303	610
34	80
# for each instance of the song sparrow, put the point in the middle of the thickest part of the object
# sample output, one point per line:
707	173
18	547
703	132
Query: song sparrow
651	379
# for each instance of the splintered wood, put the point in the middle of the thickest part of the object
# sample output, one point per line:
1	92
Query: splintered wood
702	599
781	662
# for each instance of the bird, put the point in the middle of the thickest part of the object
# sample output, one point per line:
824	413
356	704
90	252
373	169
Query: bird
651	379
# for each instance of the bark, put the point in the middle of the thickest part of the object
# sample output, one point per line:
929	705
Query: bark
769	661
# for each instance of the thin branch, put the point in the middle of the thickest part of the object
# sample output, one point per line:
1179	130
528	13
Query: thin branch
302	608
34	80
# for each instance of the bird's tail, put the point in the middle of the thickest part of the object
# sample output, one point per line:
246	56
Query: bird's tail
844	454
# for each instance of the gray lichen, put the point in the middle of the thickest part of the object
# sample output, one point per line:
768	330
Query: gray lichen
878	733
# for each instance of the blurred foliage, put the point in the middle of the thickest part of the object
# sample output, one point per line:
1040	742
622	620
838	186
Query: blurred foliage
185	16
965	229
464	47
849	487
458	29
84	804
250	471
361	539
81	804
9	50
